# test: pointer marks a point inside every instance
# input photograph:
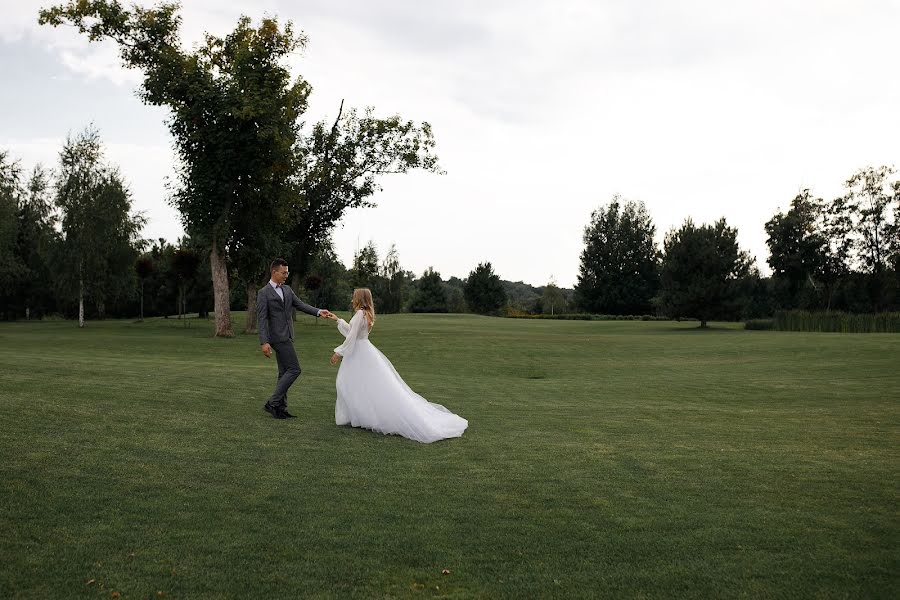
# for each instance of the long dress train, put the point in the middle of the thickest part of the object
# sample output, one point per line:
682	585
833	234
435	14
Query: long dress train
371	394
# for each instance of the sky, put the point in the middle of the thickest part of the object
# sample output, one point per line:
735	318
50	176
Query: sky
542	111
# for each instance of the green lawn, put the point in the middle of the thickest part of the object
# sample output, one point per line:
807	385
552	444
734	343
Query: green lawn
619	459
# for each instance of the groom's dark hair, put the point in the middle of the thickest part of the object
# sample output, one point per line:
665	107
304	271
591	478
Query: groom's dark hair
278	262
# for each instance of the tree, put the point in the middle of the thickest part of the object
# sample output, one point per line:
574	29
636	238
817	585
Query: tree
185	263
234	118
365	271
334	290
552	298
796	247
868	200
11	267
620	260
700	271
245	169
430	295
100	235
37	238
342	165
393	282
483	290
143	268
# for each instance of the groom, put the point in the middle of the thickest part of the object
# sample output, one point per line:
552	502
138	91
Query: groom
276	332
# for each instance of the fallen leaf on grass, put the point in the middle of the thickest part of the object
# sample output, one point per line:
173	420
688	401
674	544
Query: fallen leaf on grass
90	582
445	571
115	595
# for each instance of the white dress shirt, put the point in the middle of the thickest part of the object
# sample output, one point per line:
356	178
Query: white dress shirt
278	289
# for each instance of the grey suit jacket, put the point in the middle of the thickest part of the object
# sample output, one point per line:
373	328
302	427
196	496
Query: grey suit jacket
273	317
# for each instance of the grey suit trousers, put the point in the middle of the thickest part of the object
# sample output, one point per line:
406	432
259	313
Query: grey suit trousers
288	372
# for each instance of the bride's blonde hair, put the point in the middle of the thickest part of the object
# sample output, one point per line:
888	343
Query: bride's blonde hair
362	300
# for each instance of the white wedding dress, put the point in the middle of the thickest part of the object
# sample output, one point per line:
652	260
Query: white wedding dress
371	394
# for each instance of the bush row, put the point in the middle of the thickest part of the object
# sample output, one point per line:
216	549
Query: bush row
832	322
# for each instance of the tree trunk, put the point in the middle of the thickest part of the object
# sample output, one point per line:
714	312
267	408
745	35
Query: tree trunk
702	324
220	292
80	302
101	310
250	326
142	300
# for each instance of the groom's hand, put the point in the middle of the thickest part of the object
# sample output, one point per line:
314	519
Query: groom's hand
327	314
267	350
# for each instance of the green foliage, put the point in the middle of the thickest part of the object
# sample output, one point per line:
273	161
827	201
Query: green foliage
251	185
483	290
517	314
553	300
759	324
100	235
796	246
340	170
868	201
175	278
35	245
366	271
620	260
701	270
11	267
836	322
394	284
430	295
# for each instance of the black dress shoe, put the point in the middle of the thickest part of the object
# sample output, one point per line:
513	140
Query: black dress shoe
287	415
273	411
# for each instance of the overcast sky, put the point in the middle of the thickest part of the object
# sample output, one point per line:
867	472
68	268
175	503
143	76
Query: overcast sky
542	110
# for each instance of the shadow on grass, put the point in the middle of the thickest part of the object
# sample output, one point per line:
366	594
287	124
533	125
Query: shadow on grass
710	329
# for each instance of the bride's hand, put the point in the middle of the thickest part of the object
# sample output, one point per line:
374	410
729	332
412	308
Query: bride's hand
335	358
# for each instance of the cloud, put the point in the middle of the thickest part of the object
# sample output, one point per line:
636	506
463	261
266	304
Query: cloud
542	110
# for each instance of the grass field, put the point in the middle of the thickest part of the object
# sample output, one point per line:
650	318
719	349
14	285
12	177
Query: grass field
602	459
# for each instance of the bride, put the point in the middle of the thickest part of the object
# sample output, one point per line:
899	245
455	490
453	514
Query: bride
371	394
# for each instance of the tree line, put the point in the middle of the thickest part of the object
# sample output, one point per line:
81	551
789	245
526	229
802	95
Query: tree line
838	254
70	245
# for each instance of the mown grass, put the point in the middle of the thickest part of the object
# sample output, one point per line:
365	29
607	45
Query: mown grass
602	459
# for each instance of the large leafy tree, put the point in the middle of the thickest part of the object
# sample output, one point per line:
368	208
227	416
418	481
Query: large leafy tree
796	247
620	260
701	269
247	175
233	114
483	290
430	295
